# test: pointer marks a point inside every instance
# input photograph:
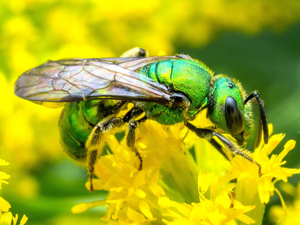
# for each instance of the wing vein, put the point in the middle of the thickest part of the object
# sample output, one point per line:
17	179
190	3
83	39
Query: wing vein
73	80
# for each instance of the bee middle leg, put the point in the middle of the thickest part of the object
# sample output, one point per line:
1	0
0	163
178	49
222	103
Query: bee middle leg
131	139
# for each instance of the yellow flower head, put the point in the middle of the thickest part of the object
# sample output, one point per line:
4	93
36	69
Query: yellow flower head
252	189
271	166
219	208
172	187
290	214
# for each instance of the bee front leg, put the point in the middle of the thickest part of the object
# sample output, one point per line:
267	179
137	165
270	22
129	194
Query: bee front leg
209	134
94	141
219	147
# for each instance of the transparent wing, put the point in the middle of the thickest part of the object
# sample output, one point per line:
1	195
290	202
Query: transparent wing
71	80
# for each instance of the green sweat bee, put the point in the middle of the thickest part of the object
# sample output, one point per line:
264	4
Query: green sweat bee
166	89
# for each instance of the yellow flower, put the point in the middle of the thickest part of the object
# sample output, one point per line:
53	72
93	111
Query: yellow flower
170	177
252	189
2	174
4	206
286	215
6	217
9	219
133	195
220	208
172	187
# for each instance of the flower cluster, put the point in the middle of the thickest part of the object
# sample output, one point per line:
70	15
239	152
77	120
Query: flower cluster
289	213
181	183
262	188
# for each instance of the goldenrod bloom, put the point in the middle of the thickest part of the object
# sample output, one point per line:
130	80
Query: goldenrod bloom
252	189
9	219
3	175
220	208
173	186
6	217
286	215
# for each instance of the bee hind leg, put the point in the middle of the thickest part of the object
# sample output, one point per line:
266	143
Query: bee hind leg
135	52
94	141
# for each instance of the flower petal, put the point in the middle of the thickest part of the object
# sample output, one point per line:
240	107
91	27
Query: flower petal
145	209
135	216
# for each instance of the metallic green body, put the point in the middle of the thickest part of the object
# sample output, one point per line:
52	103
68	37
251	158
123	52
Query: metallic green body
77	121
188	77
180	75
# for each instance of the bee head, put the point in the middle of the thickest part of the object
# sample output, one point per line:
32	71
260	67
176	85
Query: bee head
226	108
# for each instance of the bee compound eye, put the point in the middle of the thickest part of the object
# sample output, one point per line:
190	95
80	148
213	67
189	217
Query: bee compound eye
234	119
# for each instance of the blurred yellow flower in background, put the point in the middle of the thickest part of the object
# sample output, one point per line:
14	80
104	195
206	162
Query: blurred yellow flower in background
284	215
6	217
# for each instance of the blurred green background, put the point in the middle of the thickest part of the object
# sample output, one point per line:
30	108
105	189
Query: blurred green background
257	42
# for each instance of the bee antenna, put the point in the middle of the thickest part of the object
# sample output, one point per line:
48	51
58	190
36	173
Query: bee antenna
263	123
